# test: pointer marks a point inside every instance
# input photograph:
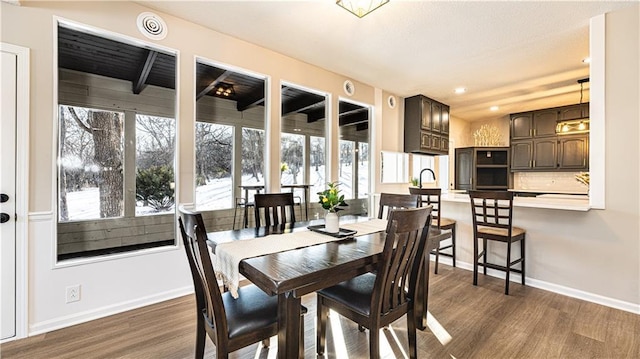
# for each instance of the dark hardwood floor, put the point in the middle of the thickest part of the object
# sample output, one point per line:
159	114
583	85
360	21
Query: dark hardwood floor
466	322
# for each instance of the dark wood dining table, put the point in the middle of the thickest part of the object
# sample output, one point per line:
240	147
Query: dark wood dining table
294	273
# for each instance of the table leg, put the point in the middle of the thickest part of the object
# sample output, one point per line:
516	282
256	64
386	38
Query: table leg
289	326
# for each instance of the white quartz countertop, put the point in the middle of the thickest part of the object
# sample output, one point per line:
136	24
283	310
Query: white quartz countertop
548	201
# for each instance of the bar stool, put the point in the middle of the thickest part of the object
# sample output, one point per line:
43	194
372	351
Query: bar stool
431	197
492	213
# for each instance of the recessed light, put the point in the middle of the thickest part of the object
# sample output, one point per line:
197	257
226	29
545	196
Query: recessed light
586	60
460	90
494	108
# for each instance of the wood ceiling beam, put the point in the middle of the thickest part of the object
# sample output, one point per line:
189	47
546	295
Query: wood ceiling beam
255	98
143	72
353	118
316	115
213	84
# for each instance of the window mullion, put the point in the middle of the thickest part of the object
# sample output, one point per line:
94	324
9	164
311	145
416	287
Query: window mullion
129	164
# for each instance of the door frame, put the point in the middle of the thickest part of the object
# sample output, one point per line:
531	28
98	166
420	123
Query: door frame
22	185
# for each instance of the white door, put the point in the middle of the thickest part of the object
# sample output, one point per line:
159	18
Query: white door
8	193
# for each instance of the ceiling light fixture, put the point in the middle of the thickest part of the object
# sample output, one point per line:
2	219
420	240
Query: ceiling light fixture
494	108
225	90
360	8
460	90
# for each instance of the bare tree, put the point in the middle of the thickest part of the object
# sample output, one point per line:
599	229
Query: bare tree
106	131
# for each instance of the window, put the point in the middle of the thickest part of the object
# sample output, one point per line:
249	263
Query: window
292	157
214	165
363	170
394	167
252	159
317	165
345	169
155	152
116	144
421	162
90	165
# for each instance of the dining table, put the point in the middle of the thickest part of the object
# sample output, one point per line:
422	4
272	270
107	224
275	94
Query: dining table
293	273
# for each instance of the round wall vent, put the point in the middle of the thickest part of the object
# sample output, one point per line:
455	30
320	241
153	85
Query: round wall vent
391	101
349	88
152	26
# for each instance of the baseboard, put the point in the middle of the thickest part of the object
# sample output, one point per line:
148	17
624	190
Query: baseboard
82	317
552	287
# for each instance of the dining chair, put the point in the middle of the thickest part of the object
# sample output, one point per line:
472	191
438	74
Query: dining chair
431	197
390	201
376	299
231	323
275	208
492	213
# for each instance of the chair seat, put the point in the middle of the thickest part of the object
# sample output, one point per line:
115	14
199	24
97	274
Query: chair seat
355	293
444	222
252	309
515	231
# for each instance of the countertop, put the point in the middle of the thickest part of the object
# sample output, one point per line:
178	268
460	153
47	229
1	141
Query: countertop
548	201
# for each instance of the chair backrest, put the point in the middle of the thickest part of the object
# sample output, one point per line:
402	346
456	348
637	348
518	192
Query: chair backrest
492	209
274	208
402	256
208	297
429	197
390	201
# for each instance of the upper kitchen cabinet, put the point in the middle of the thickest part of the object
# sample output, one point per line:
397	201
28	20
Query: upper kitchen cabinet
536	144
534	124
426	126
573	112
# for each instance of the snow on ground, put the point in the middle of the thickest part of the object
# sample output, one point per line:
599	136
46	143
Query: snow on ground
216	194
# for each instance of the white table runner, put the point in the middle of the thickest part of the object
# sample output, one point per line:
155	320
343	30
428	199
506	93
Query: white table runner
228	256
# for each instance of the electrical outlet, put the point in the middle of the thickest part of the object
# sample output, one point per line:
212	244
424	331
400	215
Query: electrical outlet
73	293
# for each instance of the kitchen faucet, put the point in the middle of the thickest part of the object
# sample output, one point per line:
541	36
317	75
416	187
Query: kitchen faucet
426	169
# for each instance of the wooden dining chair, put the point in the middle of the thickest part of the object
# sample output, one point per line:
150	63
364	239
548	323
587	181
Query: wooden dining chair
492	213
231	323
275	208
375	300
431	197
390	201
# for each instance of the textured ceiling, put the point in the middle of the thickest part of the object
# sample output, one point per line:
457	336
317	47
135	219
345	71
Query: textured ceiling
516	55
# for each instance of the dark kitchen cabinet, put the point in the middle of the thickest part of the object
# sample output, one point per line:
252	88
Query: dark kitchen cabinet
534	124
538	154
521	125
482	168
544	123
574	112
573	152
426	126
535	145
521	155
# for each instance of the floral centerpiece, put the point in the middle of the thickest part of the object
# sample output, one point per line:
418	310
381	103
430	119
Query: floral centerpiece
332	200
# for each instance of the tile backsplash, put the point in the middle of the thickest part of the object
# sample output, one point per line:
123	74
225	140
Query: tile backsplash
549	182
